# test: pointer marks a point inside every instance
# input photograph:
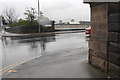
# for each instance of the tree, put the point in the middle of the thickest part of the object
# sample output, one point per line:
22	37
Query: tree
72	20
3	20
10	15
60	21
30	14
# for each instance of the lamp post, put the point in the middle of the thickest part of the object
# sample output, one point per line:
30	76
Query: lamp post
0	21
38	16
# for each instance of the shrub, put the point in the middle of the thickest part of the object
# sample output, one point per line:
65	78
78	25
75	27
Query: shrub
24	22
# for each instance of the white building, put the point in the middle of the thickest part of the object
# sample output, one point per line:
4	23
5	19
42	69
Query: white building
73	22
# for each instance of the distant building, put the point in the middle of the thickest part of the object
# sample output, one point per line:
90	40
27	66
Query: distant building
74	23
85	22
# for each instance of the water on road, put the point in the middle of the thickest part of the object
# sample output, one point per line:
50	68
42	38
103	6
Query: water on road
15	50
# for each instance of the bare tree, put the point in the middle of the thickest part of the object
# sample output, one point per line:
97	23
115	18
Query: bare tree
10	14
60	21
72	20
30	14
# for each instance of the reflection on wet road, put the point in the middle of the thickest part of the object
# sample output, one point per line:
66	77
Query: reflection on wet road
15	50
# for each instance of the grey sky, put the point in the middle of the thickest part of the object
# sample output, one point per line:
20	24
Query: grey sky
54	9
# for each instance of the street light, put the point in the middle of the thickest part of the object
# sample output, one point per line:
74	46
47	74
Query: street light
38	16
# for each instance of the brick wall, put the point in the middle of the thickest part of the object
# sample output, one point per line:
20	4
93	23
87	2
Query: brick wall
114	38
104	45
98	41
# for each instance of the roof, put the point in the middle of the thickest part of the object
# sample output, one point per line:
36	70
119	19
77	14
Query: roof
89	1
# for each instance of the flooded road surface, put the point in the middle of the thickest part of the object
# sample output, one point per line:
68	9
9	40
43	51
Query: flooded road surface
15	50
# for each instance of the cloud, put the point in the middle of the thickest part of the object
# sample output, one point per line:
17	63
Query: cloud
68	9
54	9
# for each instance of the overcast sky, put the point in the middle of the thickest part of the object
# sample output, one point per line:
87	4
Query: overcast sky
54	9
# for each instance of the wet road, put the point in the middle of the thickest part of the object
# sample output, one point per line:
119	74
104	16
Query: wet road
61	56
15	50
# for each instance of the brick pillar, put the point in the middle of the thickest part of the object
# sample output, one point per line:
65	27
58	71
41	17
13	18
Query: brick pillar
98	42
104	45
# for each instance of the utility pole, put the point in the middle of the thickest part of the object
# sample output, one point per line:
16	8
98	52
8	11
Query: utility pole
39	16
0	22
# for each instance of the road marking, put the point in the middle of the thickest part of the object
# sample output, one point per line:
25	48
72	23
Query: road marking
13	71
6	69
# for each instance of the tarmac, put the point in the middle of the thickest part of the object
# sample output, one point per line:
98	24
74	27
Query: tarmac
71	63
56	68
